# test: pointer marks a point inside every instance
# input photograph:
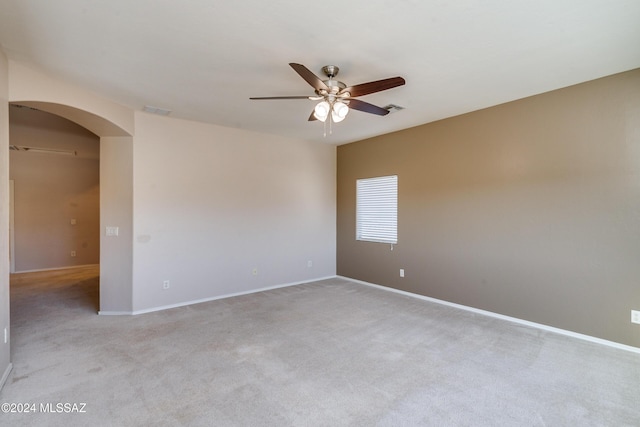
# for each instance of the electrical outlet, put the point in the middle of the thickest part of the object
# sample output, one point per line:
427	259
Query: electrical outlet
73	253
402	272
166	284
635	316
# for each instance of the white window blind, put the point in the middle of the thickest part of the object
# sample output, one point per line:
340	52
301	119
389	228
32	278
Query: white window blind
377	209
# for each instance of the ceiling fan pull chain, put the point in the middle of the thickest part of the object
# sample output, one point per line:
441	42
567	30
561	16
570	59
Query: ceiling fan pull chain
331	120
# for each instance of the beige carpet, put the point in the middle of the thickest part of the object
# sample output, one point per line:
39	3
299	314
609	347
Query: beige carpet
329	353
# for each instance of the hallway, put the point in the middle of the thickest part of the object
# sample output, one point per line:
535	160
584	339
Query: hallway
37	296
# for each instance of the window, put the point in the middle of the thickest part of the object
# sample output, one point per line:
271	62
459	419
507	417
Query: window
377	209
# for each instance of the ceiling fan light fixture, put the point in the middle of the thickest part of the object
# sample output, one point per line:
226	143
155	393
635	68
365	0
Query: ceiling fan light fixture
339	111
321	112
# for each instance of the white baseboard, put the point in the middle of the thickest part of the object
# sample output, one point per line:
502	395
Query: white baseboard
503	317
198	301
56	268
5	375
115	313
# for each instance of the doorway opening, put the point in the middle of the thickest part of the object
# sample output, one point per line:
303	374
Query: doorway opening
55	196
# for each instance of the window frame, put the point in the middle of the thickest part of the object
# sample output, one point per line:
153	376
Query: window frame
377	209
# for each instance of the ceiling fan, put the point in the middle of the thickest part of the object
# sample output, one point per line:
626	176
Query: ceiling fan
336	98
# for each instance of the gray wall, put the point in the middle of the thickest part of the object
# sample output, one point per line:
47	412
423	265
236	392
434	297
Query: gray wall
5	364
528	209
212	205
51	190
116	200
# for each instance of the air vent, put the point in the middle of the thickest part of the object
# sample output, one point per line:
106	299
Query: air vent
156	110
393	108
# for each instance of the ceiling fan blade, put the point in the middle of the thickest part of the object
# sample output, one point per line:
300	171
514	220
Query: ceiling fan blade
281	97
312	117
372	87
356	104
309	77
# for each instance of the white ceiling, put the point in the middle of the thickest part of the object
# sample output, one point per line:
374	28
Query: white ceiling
203	59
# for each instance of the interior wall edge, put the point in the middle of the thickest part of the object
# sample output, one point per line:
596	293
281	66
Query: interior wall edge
5	375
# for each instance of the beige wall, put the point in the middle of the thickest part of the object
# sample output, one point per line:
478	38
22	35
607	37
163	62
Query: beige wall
528	209
50	190
5	361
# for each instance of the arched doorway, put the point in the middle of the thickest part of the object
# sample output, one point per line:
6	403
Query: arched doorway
54	167
116	206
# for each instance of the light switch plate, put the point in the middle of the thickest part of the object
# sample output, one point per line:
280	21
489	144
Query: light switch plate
111	231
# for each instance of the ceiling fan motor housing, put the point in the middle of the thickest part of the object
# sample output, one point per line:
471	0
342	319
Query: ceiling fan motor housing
330	71
334	85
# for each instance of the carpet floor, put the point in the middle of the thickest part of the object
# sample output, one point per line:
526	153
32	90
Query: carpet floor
326	353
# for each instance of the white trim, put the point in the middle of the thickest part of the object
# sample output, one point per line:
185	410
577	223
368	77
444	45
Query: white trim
198	301
37	270
5	375
115	313
503	317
